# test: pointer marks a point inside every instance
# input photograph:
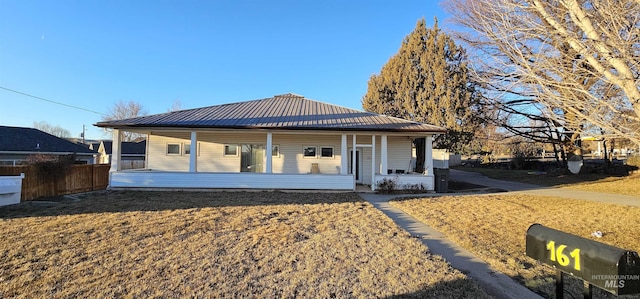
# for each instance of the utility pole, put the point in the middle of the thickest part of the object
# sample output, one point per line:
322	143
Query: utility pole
82	134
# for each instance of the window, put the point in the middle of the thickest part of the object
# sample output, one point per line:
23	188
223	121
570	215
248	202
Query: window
173	149
309	151
187	149
275	151
231	150
326	152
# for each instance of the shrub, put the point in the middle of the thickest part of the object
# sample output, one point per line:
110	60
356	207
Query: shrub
51	165
415	188
387	185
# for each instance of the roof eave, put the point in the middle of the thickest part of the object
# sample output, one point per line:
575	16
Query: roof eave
297	128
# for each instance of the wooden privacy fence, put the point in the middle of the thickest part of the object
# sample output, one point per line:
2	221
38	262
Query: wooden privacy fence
78	178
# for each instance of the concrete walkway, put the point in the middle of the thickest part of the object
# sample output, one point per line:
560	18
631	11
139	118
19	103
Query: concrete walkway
493	282
479	179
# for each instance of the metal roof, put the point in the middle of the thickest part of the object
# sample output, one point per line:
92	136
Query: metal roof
286	112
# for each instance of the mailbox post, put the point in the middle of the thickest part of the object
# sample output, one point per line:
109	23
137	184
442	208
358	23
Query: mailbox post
612	269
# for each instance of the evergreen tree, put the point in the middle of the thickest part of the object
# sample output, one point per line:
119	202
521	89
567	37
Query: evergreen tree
427	81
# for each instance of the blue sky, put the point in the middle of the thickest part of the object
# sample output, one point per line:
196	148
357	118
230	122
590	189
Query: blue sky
92	54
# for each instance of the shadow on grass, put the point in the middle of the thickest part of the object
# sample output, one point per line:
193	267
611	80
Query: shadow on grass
131	201
466	187
458	288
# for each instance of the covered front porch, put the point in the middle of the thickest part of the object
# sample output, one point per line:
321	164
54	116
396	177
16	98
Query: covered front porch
296	160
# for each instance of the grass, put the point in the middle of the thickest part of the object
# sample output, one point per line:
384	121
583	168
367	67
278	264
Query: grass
220	244
494	227
585	182
629	185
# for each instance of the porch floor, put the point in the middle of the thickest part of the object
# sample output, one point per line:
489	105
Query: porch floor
364	189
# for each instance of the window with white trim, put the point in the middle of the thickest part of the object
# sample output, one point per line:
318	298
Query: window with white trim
326	152
309	151
173	148
275	151
231	150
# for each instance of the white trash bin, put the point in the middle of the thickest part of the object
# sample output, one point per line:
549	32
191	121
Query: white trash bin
10	189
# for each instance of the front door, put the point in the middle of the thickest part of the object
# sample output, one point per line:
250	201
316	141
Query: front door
358	171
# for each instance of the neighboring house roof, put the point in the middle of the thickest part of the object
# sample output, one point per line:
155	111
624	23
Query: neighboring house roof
18	139
288	111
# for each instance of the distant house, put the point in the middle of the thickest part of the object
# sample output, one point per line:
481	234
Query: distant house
17	143
132	154
283	142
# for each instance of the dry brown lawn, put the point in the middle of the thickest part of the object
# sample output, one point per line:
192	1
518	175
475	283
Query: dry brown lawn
629	185
219	244
494	227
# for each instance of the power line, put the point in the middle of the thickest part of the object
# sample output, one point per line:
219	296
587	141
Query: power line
50	101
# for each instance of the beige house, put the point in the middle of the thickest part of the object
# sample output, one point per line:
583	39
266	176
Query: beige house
283	142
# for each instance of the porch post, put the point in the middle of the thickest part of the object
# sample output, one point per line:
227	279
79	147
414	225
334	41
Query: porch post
269	168
373	162
344	161
428	155
116	155
193	155
353	160
383	155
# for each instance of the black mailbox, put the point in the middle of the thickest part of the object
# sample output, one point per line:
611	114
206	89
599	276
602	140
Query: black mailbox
613	269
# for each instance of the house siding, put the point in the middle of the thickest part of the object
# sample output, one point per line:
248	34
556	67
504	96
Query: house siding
399	154
211	156
292	160
21	158
158	157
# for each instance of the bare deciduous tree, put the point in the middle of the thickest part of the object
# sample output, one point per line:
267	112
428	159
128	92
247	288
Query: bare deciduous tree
176	106
577	60
56	130
125	110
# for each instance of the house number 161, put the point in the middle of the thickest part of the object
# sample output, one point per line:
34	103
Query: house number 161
557	254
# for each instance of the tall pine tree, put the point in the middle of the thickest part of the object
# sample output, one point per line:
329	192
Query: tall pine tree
427	81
